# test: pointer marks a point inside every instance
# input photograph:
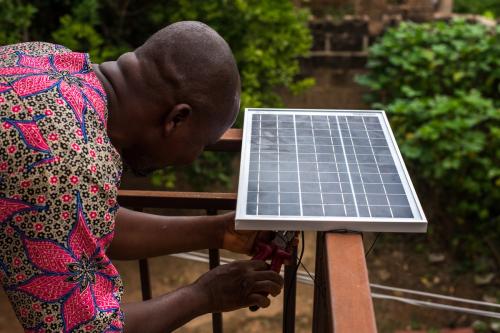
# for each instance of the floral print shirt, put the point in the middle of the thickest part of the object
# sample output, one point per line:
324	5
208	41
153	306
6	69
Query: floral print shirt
59	176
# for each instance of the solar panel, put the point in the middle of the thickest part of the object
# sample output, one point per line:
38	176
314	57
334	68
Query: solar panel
324	170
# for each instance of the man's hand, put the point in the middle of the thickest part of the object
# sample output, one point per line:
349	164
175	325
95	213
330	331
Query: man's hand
241	241
239	284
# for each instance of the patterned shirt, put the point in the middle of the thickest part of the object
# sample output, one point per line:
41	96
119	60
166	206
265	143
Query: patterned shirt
59	176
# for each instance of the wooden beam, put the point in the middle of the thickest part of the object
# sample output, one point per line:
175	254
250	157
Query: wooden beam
181	200
230	141
349	290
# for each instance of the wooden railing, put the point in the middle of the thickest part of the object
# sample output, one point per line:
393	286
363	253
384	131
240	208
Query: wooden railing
342	299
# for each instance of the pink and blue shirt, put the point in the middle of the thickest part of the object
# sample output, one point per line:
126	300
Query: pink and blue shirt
59	177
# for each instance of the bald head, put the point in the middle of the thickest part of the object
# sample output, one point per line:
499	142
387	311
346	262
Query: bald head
172	96
198	65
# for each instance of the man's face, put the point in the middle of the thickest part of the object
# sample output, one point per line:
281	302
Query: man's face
181	147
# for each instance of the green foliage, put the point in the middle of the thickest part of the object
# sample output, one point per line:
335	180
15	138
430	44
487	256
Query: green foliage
439	83
452	146
419	60
15	20
267	37
488	8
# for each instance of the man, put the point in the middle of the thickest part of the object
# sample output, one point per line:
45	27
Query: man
65	125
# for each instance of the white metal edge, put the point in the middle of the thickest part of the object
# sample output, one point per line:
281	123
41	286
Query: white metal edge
399	163
405	171
241	201
318	225
308	111
329	218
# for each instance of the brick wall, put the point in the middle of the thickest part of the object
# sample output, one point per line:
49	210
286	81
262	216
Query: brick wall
340	47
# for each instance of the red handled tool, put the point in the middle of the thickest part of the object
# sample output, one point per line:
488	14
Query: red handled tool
278	251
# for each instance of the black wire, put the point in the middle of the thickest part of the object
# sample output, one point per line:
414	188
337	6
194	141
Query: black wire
373	244
322	289
294	276
313	278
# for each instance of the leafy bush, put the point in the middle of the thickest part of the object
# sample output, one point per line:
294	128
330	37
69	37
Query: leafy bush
488	8
420	60
451	145
15	20
439	83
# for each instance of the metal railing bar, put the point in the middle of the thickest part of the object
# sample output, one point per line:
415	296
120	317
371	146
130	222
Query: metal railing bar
214	261
289	294
145	279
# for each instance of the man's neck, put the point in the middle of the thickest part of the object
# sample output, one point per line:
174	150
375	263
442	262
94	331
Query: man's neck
107	82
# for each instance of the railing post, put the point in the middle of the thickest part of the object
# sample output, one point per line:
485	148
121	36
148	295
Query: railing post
349	287
322	320
214	261
289	294
145	279
144	275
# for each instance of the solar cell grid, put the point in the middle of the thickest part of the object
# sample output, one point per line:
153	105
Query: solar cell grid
316	165
323	166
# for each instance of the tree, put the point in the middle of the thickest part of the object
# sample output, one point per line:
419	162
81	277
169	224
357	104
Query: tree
267	37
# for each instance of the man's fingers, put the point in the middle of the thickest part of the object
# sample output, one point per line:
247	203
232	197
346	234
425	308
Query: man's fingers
268	275
257	265
260	300
266	287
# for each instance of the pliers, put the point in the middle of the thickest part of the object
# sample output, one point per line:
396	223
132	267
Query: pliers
278	251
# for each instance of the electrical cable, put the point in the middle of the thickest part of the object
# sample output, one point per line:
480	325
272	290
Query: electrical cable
308	278
298	263
439	296
432	305
373	244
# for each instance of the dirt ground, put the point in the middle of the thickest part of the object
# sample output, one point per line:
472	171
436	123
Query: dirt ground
394	261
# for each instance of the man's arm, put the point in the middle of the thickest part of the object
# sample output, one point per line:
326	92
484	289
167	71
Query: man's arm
140	235
225	288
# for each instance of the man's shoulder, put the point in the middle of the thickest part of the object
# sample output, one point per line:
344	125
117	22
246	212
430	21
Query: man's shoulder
34	48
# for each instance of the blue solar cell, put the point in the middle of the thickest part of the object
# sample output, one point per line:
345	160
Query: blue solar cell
312	210
268	197
288	176
403	212
394	189
311	198
327	167
289	198
267	209
310	187
286	140
380	211
335	210
252	209
252	197
286	149
289	209
287	166
288	187
268	186
391	178
398	200
331	188
332	198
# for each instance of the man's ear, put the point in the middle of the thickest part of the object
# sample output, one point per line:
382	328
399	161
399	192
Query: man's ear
177	116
